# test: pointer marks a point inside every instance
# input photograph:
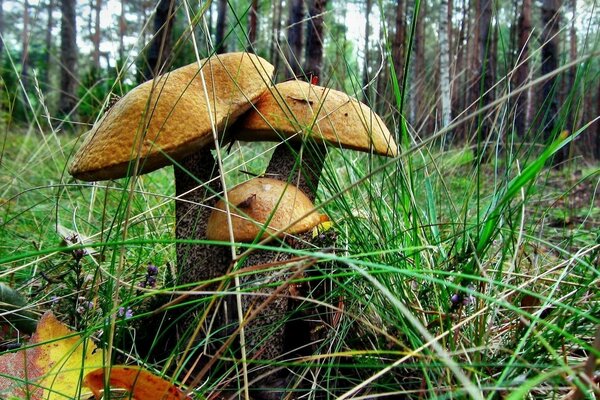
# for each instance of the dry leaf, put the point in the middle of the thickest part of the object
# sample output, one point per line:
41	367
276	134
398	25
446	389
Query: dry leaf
142	384
52	365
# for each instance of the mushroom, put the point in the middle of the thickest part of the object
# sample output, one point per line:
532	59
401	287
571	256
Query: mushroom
175	119
302	113
262	208
306	118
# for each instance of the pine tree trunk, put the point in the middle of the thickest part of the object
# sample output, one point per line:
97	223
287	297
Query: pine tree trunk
398	45
550	42
220	29
367	63
275	35
47	42
446	111
417	88
252	25
160	48
96	36
295	37
122	31
314	38
68	58
522	71
486	61
25	47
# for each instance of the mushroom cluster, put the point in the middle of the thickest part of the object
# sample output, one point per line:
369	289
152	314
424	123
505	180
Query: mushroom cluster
178	117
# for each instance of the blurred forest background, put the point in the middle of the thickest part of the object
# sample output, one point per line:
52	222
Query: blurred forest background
524	64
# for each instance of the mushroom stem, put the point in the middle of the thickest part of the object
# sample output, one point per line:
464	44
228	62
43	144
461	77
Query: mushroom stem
284	336
196	180
284	163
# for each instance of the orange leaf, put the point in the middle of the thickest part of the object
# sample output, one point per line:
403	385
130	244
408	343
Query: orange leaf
142	385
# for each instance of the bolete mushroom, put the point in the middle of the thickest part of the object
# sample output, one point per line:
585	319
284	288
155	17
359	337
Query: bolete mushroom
170	120
173	119
262	208
300	112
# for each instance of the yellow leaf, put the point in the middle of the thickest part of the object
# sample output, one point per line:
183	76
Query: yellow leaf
52	366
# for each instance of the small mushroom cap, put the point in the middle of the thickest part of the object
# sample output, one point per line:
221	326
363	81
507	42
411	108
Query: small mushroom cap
257	201
169	117
297	107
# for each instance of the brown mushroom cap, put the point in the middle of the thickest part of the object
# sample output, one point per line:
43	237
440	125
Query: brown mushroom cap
257	201
297	107
170	115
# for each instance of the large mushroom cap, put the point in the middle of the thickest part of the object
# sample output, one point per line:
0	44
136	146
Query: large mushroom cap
171	116
257	202
300	108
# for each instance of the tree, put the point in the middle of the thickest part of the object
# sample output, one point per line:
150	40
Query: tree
122	31
445	65
295	37
366	79
550	41
25	47
221	22
522	101
486	65
314	37
68	57
252	25
160	47
96	36
398	44
48	41
418	69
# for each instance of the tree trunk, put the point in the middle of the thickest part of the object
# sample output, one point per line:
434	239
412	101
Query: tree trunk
417	88
460	71
550	42
160	48
365	79
445	100
522	72
274	51
398	45
314	38
573	115
68	58
295	37
122	31
486	61
48	43
25	48
252	26
221	23
96	36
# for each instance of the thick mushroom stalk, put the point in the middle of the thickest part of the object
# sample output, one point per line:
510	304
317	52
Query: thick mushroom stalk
307	118
173	118
260	208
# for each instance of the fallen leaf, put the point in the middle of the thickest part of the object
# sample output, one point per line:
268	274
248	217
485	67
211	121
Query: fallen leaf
52	365
140	383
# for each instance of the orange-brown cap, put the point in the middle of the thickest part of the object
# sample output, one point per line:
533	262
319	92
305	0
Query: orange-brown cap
297	107
170	116
258	201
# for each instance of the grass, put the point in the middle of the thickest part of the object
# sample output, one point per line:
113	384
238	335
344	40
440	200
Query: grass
442	277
